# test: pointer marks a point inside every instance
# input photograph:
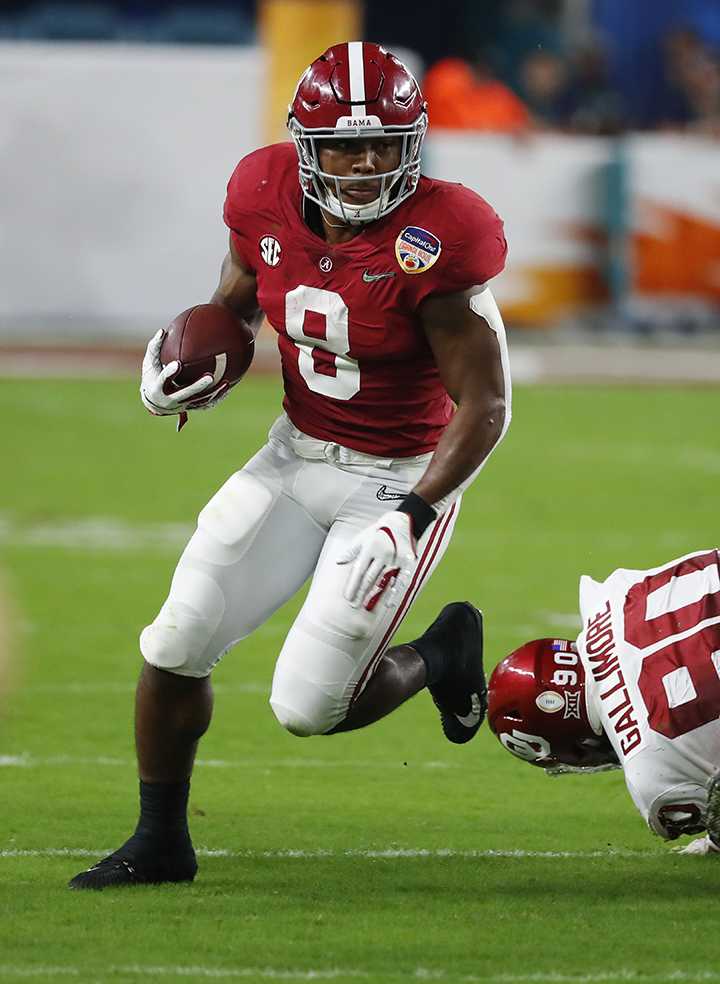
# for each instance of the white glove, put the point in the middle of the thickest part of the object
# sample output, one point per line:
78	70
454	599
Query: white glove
703	845
154	377
381	555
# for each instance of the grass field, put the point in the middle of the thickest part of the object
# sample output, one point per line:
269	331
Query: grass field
384	855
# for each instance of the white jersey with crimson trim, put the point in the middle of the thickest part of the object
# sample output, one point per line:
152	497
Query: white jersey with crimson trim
650	647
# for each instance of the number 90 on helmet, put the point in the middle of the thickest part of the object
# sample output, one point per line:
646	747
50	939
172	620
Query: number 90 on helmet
357	90
538	711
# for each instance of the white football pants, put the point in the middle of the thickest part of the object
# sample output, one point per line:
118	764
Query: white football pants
287	514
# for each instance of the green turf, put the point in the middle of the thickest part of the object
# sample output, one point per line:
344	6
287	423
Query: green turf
587	480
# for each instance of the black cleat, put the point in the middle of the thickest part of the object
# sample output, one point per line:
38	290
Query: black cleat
461	693
116	871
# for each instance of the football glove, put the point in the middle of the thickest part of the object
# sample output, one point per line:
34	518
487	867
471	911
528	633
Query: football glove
702	845
154	377
710	843
380	557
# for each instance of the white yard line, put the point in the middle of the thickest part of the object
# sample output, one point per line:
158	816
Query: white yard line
89	687
570	620
26	761
334	973
380	854
94	533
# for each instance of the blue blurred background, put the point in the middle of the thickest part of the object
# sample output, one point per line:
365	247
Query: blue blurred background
657	58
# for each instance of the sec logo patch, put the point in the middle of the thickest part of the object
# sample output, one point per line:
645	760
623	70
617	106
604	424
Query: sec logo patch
270	250
417	249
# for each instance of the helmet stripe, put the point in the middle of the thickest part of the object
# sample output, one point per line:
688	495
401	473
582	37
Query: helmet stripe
357	77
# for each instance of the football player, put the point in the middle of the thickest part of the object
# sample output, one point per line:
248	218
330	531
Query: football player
638	690
397	389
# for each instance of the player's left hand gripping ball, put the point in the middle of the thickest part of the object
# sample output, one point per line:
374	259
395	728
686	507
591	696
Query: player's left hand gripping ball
154	377
380	555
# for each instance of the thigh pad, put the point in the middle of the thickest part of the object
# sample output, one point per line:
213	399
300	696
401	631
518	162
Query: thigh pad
231	520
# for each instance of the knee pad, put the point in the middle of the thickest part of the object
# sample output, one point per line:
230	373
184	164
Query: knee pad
178	638
293	720
311	687
304	706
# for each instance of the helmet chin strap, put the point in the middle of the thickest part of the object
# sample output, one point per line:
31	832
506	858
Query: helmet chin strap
326	210
364	213
333	225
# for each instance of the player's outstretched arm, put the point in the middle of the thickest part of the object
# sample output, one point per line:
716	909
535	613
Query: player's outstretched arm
467	336
468	340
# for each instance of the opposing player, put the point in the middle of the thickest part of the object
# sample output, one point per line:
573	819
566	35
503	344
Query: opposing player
396	391
639	690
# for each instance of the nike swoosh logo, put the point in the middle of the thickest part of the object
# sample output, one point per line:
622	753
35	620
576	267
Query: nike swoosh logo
473	718
369	278
384	494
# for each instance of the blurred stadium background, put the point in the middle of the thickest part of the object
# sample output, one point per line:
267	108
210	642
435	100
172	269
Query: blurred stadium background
592	126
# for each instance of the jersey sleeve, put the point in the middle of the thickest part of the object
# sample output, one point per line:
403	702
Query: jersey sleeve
236	212
678	811
473	242
477	248
250	193
670	804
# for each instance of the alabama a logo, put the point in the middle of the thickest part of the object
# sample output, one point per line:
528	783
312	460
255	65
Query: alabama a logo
416	249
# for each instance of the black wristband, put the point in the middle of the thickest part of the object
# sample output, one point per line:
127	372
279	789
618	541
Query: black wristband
419	511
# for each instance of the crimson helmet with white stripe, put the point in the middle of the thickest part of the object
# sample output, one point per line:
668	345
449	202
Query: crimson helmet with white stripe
354	90
537	708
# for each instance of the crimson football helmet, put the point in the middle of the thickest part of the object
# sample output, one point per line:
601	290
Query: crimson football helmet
537	708
355	90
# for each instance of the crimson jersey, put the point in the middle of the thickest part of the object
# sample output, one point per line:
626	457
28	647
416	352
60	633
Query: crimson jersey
357	367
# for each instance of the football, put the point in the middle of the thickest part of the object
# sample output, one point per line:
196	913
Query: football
207	338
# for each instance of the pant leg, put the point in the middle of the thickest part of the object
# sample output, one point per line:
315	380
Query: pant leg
254	547
333	648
